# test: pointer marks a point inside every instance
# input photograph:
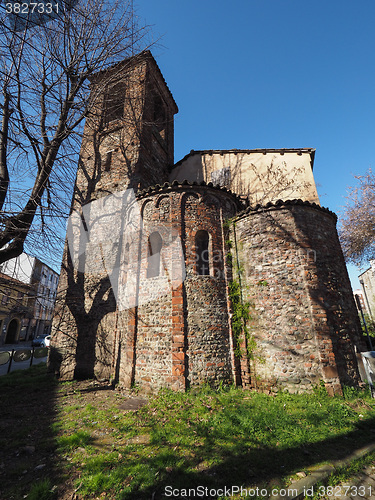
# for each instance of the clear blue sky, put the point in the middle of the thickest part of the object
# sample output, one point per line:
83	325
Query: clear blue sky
272	74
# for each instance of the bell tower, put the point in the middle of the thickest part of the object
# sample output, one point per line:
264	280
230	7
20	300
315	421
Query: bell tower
127	143
128	140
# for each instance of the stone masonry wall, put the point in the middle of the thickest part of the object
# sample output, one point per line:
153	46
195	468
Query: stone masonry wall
304	320
180	335
334	311
209	342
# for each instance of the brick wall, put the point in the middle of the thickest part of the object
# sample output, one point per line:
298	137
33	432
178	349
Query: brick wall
181	336
304	318
209	343
131	151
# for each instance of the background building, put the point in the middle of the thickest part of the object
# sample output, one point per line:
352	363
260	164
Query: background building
16	309
39	285
358	293
367	281
259	175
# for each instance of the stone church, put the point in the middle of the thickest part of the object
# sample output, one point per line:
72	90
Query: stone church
232	271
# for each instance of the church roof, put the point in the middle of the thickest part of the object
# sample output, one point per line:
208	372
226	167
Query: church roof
281	151
171	186
284	204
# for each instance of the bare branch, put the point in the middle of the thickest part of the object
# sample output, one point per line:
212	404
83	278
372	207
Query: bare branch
46	88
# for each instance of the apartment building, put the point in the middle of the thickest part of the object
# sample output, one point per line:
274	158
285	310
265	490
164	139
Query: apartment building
38	282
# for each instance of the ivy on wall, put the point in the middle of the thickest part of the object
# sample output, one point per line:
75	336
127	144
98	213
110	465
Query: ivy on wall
240	308
240	317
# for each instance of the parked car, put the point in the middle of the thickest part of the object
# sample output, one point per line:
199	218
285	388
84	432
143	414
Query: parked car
41	341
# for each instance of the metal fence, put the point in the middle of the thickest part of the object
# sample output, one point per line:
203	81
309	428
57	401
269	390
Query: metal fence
22	355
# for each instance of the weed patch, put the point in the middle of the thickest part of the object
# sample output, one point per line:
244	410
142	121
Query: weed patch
68	443
42	490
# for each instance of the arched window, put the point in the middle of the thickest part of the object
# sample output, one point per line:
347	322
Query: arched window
202	254
154	247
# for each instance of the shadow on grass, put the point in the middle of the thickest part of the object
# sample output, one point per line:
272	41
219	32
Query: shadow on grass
143	471
157	476
27	446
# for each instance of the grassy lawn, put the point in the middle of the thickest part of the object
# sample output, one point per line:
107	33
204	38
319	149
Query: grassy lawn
73	440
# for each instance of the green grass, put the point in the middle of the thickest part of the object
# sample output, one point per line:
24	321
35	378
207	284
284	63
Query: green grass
42	490
75	440
32	378
214	438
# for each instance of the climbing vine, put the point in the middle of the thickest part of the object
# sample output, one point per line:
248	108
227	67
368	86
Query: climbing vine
240	317
240	309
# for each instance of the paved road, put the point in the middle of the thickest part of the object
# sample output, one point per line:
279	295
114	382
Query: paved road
19	365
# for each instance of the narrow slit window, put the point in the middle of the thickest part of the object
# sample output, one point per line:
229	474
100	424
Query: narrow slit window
154	248
108	161
5	298
160	118
114	102
202	253
126	255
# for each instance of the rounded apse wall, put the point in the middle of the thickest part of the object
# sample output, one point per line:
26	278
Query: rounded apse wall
304	319
182	336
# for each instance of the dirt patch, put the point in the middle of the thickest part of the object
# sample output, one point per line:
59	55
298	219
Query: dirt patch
133	404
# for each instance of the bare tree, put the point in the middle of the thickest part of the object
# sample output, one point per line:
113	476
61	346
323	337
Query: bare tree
45	96
357	223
